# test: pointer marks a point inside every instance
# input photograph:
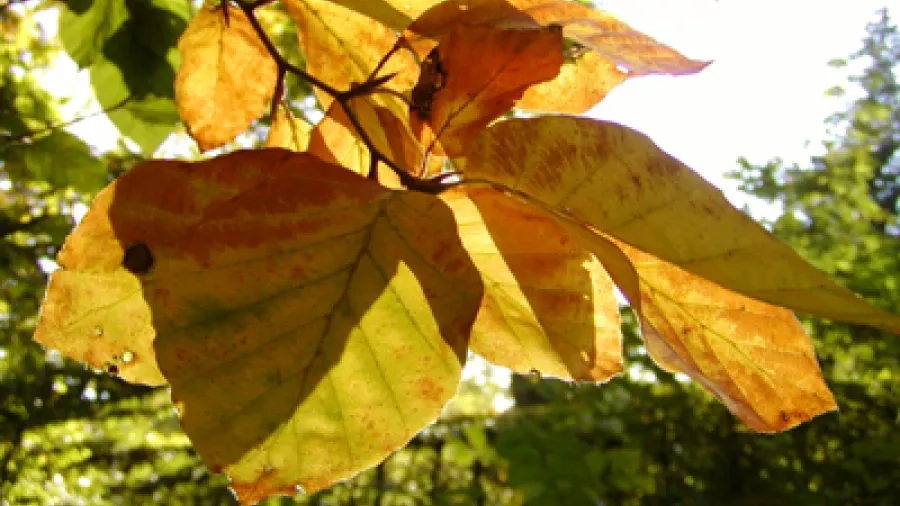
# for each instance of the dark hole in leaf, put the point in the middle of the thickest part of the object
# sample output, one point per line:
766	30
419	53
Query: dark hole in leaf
138	258
112	369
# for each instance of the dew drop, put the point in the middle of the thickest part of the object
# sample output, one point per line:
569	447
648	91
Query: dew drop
127	356
98	331
267	469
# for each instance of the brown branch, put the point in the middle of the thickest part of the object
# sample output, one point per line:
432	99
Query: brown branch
433	185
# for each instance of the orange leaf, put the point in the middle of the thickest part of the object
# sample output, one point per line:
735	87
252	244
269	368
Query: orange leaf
226	77
343	47
548	304
755	357
598	30
579	86
475	91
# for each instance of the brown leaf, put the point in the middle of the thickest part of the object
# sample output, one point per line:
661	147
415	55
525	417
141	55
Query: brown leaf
226	77
476	91
548	304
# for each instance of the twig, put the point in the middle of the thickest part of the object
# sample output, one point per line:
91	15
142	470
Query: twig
27	136
434	185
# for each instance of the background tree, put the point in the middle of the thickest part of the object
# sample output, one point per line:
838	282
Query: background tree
70	436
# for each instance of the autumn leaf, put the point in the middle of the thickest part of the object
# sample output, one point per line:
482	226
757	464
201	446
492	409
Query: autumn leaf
309	321
226	77
396	14
580	85
613	50
288	132
343	47
335	140
548	304
475	91
617	181
754	357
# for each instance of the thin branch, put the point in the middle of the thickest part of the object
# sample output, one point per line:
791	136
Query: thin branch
27	136
434	185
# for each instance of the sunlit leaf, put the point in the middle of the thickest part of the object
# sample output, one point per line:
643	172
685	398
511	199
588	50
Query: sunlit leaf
288	132
226	77
616	180
548	305
475	91
596	29
580	85
310	318
396	14
343	47
60	159
335	139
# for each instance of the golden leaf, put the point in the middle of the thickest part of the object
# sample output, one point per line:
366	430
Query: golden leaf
226	77
548	304
617	181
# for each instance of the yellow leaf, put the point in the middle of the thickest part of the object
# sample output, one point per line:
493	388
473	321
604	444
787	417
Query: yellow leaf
310	318
617	181
226	77
579	86
475	91
396	14
288	132
753	356
548	304
335	140
343	47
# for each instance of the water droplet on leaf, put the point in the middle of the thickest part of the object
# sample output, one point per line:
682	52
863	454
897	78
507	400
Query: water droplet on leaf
127	356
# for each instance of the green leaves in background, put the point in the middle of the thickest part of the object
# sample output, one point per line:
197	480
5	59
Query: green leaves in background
40	161
129	48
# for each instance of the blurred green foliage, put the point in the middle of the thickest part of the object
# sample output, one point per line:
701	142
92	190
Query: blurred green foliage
69	435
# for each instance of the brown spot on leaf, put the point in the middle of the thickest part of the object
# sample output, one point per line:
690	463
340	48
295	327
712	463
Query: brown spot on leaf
138	258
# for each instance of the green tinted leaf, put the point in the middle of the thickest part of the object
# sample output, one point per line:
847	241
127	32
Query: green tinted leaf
86	25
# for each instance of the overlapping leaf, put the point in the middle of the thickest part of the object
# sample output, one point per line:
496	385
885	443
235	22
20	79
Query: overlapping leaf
309	320
616	180
617	50
226	77
580	85
288	132
344	47
548	303
474	91
335	139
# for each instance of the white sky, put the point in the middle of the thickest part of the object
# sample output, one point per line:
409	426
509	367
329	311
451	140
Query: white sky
764	95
